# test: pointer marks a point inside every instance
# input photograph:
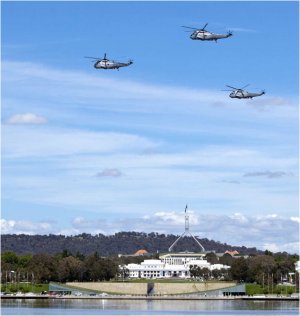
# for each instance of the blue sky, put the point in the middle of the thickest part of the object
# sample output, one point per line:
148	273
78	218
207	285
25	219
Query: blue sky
88	150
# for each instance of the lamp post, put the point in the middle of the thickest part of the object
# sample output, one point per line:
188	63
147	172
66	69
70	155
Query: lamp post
6	275
32	280
272	283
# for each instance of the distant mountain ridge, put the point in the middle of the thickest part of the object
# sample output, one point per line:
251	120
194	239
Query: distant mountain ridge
119	243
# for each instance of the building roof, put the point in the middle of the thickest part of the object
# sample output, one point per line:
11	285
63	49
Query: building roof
141	252
182	255
232	252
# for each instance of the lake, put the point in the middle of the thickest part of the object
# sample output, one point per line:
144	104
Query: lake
146	307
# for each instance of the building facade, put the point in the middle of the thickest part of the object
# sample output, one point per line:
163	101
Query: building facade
171	265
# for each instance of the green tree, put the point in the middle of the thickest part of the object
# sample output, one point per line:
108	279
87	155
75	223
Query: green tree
9	257
194	271
43	268
221	274
268	253
69	269
227	259
205	273
212	258
123	273
261	269
99	269
239	270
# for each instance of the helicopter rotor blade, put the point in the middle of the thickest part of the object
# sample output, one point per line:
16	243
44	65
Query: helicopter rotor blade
204	26
188	27
232	87
92	57
246	86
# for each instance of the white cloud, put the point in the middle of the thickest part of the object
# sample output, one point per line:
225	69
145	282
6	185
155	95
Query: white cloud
272	215
83	225
295	219
239	217
39	142
288	247
77	89
26	118
174	218
69	232
170	217
7	226
26	227
78	220
85	88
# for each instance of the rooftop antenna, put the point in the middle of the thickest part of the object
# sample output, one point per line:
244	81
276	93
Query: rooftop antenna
186	232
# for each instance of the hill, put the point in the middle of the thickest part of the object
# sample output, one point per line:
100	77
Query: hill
119	243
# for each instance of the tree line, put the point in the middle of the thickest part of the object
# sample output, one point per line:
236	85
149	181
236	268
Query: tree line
119	243
263	269
67	267
62	267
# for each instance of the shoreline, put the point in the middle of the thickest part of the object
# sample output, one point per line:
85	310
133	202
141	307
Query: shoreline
150	297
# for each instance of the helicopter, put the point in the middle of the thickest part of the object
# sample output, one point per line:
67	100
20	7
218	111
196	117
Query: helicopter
204	35
240	93
105	63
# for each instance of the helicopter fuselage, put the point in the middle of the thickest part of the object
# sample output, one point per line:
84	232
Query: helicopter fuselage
108	64
207	36
242	94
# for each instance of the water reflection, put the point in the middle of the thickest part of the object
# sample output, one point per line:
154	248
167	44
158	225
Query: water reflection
146	307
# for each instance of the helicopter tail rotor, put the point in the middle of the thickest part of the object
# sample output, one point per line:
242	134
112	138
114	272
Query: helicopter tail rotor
229	33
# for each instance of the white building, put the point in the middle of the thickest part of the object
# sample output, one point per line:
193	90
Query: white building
170	265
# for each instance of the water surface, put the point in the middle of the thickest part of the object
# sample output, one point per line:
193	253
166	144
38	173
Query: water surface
146	307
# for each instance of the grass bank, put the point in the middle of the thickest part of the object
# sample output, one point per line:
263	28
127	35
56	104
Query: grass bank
24	288
253	289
